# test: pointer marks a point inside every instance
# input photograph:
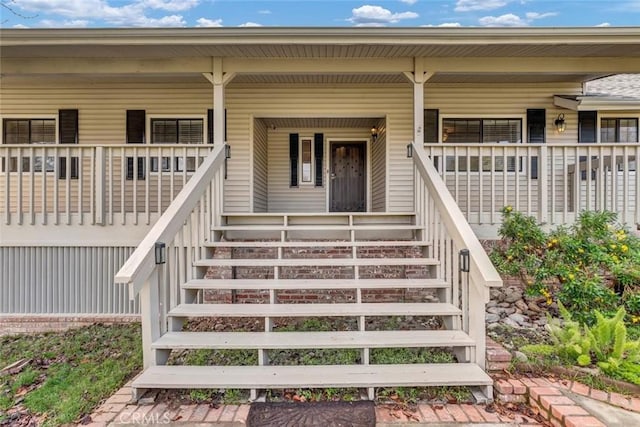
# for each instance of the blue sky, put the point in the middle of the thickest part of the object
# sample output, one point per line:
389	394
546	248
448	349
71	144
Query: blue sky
332	13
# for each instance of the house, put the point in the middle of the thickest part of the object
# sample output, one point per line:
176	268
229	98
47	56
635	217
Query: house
297	164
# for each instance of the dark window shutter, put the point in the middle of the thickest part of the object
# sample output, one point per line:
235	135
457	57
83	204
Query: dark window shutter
587	126
431	125
135	126
318	146
536	122
294	147
210	125
68	126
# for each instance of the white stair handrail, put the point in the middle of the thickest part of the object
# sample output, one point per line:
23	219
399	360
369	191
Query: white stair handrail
140	265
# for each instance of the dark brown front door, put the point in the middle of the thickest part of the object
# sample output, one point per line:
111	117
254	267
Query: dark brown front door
348	177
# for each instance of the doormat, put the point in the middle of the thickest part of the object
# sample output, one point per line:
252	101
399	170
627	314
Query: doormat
312	414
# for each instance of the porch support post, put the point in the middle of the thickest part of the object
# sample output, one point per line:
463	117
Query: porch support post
543	184
418	77
218	102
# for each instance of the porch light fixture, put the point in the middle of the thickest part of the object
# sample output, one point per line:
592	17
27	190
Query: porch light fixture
227	151
464	260
409	150
161	253
560	124
374	133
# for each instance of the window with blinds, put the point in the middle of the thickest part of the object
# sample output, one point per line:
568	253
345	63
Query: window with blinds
481	130
29	131
177	131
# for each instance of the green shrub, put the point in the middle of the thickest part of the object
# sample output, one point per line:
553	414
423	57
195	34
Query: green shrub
595	264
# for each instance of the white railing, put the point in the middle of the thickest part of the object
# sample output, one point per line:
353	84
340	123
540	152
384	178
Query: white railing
183	229
553	182
82	184
448	231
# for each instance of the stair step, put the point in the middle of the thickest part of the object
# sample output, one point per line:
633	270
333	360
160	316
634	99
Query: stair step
289	284
301	340
296	262
316	244
358	376
316	227
314	310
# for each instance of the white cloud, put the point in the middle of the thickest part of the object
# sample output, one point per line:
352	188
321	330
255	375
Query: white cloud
264	12
250	24
507	20
73	23
376	16
511	20
20	26
535	15
170	5
604	24
471	5
409	1
450	24
131	14
204	22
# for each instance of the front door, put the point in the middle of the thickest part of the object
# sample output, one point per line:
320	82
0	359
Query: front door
348	177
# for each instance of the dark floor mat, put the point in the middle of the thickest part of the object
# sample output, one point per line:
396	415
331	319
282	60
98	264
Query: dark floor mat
321	414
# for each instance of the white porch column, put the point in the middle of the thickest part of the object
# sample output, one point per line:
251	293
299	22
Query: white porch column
418	77
218	102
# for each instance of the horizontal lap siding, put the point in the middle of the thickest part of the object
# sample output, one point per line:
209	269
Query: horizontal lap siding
259	166
379	169
392	101
71	280
102	106
505	100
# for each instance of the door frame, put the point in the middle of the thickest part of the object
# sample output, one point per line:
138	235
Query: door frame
367	161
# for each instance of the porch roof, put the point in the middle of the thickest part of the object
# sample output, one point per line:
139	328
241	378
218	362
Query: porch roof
321	42
298	55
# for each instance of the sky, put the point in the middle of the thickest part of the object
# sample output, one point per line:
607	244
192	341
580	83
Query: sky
323	13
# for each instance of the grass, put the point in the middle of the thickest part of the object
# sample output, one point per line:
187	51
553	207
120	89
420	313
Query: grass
70	372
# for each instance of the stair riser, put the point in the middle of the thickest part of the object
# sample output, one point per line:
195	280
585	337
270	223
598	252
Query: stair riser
320	296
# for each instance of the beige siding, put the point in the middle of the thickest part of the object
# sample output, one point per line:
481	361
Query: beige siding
102	106
505	101
393	101
379	169
304	198
259	166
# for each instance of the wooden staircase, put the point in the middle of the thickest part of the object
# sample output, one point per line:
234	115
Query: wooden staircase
271	255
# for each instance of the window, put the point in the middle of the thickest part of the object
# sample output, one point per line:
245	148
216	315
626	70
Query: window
177	131
29	131
481	130
306	161
618	130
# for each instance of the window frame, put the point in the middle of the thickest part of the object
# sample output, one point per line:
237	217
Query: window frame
30	117
311	182
49	162
151	117
522	118
617	118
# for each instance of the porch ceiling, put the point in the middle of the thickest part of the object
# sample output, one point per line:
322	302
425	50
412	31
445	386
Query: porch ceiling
320	122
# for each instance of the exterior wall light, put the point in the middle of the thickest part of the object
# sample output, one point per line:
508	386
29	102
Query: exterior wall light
409	150
227	151
560	124
161	253
374	133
